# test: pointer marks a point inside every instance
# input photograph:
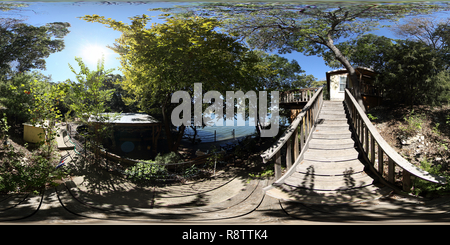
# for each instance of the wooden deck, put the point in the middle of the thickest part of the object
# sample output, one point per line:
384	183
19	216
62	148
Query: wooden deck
330	171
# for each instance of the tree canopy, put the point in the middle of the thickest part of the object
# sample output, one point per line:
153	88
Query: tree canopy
159	60
309	29
24	47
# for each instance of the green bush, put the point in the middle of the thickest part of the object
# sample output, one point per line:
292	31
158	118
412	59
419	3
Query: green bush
146	171
413	123
24	175
426	188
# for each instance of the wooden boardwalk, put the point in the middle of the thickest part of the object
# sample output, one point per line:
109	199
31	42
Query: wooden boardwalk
330	172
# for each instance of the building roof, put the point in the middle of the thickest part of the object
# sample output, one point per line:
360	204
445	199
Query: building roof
363	70
128	118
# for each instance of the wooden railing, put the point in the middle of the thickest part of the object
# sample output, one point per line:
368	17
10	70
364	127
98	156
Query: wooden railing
296	136
377	151
297	95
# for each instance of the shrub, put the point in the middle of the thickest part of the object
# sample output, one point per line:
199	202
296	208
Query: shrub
146	171
413	124
18	174
426	188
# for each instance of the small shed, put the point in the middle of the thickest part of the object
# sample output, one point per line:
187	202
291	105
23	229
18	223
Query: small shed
337	81
131	133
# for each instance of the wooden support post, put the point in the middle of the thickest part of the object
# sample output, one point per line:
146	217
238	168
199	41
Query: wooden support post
380	160
366	140
361	126
289	152
406	181
372	150
277	165
296	146
391	171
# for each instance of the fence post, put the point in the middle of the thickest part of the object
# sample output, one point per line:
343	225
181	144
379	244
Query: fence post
391	171
277	165
380	160
406	181
289	152
372	150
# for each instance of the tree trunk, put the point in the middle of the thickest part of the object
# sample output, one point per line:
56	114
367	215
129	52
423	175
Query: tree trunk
172	143
351	71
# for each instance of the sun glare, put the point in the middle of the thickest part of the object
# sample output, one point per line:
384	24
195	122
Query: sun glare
93	53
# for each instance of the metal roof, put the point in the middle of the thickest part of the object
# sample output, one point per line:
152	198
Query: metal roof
128	118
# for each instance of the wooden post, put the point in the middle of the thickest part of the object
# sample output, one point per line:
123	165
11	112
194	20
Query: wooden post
406	181
391	171
372	150
296	146
380	160
366	135
277	165
289	152
361	126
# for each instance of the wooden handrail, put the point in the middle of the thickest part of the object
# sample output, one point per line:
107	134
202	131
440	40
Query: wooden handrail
305	95
362	128
293	134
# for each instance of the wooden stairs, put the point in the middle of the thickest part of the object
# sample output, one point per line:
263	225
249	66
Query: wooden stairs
330	172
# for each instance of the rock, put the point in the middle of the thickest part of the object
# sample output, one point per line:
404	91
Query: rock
438	159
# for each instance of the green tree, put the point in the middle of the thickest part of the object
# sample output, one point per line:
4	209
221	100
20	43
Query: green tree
367	51
88	101
278	73
119	96
15	95
407	75
309	29
169	57
44	111
24	47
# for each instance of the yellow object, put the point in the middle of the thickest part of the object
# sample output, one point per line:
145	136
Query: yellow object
33	134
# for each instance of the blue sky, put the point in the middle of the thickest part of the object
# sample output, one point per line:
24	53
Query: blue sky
87	38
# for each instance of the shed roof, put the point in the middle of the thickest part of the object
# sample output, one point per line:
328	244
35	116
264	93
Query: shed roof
128	118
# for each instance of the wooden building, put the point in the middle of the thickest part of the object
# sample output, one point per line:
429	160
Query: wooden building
338	80
136	133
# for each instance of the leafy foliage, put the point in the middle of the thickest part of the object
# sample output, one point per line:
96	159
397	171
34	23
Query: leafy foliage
172	56
309	29
150	170
18	174
88	101
24	47
425	188
408	72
